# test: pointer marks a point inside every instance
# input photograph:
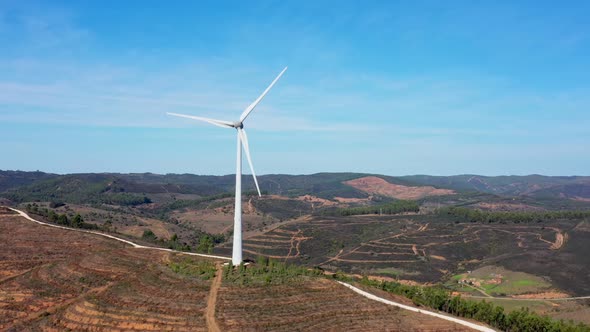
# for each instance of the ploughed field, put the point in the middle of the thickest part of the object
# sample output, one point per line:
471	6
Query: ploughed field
55	280
314	305
431	248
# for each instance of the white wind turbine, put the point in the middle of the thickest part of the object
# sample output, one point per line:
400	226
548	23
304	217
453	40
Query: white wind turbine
242	141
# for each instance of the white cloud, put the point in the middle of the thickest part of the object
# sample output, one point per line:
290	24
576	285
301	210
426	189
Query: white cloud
106	93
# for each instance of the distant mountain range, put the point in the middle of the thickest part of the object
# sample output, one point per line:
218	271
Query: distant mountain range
540	186
29	186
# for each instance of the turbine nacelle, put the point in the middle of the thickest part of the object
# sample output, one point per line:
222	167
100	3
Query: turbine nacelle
238	125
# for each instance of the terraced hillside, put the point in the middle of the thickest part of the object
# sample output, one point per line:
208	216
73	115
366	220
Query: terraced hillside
193	209
316	305
57	280
429	248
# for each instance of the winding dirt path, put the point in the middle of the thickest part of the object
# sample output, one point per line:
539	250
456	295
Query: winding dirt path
135	245
333	258
560	239
479	290
460	321
212	300
55	308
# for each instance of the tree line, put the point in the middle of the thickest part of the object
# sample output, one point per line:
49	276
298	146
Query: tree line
440	299
267	271
61	219
126	199
206	241
396	207
91	193
194	268
476	215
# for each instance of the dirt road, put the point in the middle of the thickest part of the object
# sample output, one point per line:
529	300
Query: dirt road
368	295
212	300
210	312
135	245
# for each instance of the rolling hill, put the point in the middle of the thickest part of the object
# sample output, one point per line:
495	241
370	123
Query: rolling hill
392	228
70	281
324	185
529	185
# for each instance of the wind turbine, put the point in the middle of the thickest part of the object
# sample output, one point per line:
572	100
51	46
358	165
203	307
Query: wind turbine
242	142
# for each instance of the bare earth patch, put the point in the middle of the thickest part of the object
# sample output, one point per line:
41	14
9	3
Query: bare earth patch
5	210
81	282
317	200
314	305
542	295
351	200
65	280
560	240
375	185
507	207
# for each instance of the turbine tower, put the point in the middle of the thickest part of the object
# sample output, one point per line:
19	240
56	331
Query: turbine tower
242	142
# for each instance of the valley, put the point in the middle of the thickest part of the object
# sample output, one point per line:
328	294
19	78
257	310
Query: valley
513	250
55	279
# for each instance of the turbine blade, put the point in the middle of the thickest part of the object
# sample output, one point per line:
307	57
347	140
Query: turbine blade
249	109
244	139
219	123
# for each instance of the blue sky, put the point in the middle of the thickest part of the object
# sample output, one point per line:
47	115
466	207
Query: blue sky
413	87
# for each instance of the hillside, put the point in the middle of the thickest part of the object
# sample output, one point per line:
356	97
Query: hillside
53	279
388	228
13	179
529	185
324	185
430	249
378	186
197	210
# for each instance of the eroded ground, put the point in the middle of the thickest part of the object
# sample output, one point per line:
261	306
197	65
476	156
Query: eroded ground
427	248
56	280
315	305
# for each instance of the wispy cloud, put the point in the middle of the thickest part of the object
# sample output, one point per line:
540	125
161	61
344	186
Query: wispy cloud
108	93
126	96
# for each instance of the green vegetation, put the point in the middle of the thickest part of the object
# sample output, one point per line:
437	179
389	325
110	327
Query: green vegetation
393	272
530	185
186	203
14	179
283	209
395	207
172	243
60	219
78	189
208	241
516	287
533	305
267	272
475	215
440	299
198	268
125	199
498	281
148	235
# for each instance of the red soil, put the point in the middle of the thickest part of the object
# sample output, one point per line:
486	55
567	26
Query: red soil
378	186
